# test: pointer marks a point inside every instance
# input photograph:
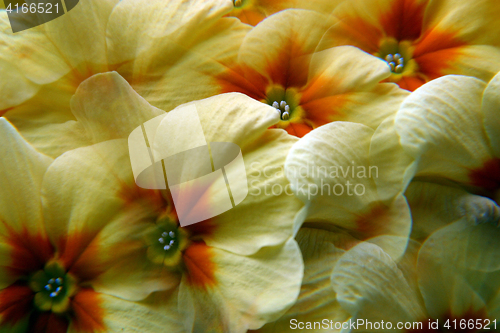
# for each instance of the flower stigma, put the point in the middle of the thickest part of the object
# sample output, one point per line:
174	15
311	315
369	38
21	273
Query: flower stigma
53	287
165	242
395	62
398	56
286	103
283	109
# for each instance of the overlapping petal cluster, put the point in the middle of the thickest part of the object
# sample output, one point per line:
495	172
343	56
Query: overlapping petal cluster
370	137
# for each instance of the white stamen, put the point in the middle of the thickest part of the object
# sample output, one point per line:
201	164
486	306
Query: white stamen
164	234
161	240
53	294
285	116
399	69
287	108
397	56
282	104
51	281
389	58
171	242
48	287
166	247
59	281
276	105
171	234
237	3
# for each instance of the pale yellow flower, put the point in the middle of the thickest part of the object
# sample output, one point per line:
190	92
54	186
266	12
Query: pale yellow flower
329	170
41	68
278	62
450	282
450	127
233	272
422	40
50	263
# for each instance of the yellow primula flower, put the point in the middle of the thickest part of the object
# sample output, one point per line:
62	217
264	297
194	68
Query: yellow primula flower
450	128
233	272
330	170
449	283
278	65
49	265
41	68
422	40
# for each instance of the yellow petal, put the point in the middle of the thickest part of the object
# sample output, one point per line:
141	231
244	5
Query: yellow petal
395	166
480	61
441	124
317	300
254	11
330	168
364	23
72	184
192	71
434	206
28	59
463	245
23	169
249	290
119	254
84	40
156	314
475	24
344	84
244	230
231	117
166	25
341	64
371	286
283	44
454	264
187	42
108	108
491	105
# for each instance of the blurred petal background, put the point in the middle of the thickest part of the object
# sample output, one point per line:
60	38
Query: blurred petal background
369	133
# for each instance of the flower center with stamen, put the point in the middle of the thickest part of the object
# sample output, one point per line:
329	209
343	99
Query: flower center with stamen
53	287
165	241
398	56
286	103
283	109
395	62
168	240
237	3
